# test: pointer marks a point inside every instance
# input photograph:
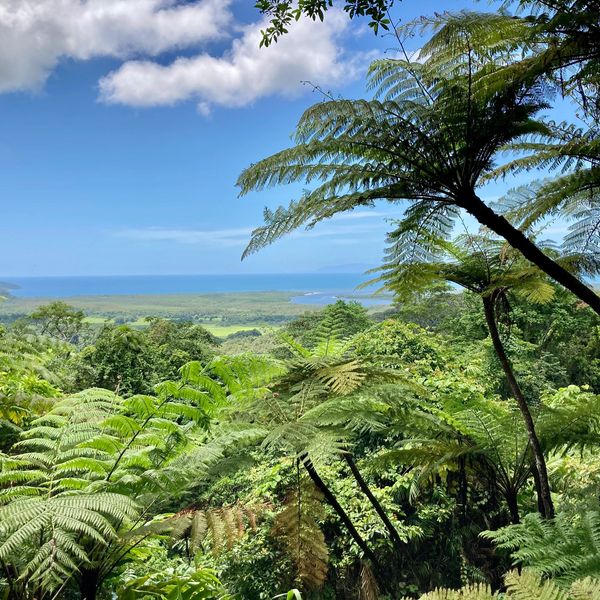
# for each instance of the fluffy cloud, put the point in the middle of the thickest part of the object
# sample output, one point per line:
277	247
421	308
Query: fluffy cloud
311	51
36	34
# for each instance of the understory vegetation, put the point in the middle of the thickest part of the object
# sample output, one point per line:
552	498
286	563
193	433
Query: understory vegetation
445	447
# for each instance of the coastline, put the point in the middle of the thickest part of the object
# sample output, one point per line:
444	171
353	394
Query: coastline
215	310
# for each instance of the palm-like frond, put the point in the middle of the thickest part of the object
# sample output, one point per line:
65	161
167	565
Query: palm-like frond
67	488
569	418
479	263
528	585
585	589
431	136
244	378
525	585
472	592
488	438
573	197
50	508
321	401
50	534
210	528
423	141
565	548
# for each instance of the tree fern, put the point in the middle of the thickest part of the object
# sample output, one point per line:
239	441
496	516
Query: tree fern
554	45
66	489
430	137
487	267
50	508
324	398
487	439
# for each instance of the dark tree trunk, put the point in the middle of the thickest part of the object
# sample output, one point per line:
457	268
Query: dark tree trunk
538	456
341	513
538	489
88	584
518	240
513	507
362	484
383	579
463	490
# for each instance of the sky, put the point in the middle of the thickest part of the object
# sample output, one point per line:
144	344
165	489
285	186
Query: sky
125	124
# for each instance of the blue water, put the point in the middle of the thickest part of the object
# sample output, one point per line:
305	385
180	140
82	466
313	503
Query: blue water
329	285
322	298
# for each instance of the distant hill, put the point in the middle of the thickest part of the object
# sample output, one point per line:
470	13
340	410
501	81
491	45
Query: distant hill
5	288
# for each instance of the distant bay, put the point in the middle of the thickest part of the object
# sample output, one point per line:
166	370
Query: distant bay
311	288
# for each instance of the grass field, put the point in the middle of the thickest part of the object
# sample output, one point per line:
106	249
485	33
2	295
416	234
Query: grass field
216	330
221	313
225	330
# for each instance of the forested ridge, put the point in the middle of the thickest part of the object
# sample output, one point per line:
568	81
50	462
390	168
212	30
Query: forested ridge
447	447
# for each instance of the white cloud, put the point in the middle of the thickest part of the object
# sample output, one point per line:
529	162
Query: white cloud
311	51
214	237
36	34
241	236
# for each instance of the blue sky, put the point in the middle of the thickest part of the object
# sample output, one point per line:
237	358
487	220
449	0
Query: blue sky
125	124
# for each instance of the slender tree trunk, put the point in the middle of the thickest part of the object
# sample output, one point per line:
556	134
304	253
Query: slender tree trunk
341	513
463	490
538	489
362	484
518	240
513	507
88	584
538	455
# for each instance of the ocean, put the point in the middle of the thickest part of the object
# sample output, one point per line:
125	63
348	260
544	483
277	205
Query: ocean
312	288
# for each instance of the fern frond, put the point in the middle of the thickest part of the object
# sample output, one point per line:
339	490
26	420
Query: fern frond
566	548
297	527
528	585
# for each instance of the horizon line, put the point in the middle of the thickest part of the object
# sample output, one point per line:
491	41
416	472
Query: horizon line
6	278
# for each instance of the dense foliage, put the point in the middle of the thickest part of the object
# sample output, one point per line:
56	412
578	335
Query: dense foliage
350	458
449	449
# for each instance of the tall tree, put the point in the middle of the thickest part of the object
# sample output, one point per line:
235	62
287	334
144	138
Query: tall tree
59	320
312	412
431	136
486	267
